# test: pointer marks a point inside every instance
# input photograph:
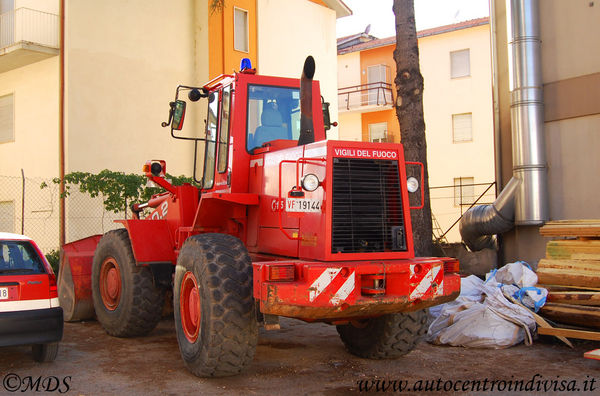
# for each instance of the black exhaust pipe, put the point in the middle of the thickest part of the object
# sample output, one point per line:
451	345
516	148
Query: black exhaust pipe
307	130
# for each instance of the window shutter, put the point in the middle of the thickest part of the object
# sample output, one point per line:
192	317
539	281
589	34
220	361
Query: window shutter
7	118
460	64
462	127
240	30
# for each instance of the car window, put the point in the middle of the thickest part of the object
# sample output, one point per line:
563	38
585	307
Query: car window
19	257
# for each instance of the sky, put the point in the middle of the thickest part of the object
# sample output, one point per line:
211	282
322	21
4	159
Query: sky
428	14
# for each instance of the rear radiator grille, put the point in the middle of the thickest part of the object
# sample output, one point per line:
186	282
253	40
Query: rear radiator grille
367	213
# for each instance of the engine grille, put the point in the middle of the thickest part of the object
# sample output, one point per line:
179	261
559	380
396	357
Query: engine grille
367	206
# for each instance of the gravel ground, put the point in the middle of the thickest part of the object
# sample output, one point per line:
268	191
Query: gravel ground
299	359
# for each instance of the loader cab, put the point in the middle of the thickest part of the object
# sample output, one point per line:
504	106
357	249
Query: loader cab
246	115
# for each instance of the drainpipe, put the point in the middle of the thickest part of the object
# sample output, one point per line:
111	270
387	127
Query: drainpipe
61	126
495	97
528	185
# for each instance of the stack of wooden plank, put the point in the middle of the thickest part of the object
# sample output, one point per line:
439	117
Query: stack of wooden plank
571	272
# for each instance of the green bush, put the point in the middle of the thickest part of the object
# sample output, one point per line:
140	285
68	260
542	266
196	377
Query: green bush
53	257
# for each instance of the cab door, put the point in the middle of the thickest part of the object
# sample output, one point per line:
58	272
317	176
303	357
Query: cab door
210	149
222	175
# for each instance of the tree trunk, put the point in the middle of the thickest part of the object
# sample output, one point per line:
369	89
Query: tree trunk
409	110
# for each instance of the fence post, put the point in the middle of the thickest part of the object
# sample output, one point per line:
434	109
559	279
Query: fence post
23	202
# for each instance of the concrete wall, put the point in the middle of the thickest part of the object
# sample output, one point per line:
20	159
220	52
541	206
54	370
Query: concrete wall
34	150
570	38
350	126
123	62
289	31
35	147
444	96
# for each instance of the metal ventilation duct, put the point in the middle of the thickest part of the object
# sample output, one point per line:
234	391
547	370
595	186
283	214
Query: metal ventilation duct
527	111
528	185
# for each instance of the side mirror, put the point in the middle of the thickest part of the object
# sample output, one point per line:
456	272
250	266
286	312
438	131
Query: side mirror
178	114
326	117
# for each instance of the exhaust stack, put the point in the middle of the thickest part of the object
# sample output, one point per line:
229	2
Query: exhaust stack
307	131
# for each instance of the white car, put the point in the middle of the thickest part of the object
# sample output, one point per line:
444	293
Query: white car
30	313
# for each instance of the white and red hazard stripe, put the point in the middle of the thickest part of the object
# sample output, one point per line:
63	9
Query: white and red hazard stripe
426	280
331	285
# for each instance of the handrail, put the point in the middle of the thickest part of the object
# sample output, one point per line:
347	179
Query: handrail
282	202
29	25
383	90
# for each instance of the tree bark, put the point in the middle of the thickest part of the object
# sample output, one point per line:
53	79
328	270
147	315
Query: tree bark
409	110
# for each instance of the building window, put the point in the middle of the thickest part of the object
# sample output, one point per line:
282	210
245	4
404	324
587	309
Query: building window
240	30
464	191
377	80
460	63
7	133
378	132
462	127
7	216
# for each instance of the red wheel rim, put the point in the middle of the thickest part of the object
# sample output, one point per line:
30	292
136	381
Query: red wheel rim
110	283
189	307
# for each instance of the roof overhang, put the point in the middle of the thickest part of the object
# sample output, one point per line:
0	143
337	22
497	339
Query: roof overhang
341	9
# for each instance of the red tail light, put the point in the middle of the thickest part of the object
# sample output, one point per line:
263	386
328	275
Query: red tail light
451	266
53	286
281	272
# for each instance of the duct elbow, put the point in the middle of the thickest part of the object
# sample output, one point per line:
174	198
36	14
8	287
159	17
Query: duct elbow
480	224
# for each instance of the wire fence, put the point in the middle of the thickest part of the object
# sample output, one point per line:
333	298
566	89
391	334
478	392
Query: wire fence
449	203
27	208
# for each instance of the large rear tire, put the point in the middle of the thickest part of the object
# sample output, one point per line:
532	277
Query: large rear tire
384	337
213	305
126	300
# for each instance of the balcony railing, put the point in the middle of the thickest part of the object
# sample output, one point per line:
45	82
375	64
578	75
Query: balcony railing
30	26
357	96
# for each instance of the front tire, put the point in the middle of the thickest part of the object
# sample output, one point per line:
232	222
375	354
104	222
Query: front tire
45	352
126	300
385	337
213	305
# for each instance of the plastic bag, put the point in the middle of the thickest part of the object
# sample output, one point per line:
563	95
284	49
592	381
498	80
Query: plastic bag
518	273
481	317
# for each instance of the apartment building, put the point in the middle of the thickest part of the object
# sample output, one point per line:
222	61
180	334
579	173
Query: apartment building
455	62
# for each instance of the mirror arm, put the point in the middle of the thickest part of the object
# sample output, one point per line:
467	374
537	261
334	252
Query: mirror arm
171	111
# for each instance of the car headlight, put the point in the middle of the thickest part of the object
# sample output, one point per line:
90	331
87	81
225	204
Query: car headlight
310	182
412	184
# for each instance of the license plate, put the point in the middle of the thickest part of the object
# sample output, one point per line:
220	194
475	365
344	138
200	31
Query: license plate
3	293
302	205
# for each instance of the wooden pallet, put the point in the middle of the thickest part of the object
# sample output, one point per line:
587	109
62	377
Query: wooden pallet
573	228
577	315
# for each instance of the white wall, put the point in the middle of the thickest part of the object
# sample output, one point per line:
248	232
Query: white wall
35	148
123	63
443	97
350	125
289	31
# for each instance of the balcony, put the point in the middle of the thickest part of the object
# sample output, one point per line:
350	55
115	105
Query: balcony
27	36
365	98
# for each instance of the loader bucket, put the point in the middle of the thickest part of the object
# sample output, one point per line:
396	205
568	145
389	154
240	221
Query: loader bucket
75	279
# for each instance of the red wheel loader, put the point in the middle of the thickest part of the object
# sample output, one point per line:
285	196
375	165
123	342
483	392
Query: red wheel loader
284	223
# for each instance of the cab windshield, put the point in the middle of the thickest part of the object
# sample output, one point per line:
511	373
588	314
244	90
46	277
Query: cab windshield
273	113
19	257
